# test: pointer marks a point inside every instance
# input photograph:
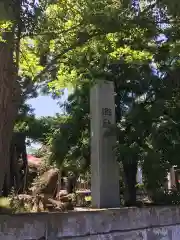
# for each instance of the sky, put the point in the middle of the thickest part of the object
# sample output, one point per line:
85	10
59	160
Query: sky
46	106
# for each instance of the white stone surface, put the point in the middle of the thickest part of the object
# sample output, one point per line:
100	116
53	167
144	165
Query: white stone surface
156	223
104	169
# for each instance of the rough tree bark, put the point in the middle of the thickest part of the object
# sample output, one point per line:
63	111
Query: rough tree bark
130	171
20	170
9	95
129	167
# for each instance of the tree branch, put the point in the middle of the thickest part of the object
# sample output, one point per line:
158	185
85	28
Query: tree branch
80	43
51	33
66	50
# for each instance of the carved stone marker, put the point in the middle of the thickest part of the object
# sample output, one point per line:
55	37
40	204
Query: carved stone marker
104	168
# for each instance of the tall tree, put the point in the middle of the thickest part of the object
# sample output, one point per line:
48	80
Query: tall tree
77	41
10	89
17	19
109	45
125	43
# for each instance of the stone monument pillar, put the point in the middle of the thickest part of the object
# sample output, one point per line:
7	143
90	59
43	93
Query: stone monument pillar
104	168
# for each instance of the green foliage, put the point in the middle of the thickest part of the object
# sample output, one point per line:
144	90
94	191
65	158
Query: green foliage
166	198
109	40
135	45
29	60
69	140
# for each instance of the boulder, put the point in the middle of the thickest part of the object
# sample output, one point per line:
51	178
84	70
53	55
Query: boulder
46	183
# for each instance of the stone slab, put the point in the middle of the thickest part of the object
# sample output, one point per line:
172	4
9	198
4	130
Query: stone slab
156	223
104	168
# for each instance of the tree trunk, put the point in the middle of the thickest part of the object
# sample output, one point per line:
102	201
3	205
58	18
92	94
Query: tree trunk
14	168
130	168
9	103
130	171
